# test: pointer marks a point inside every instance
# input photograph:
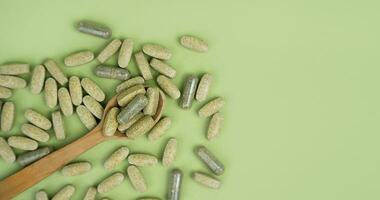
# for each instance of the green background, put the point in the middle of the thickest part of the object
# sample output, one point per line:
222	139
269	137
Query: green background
300	79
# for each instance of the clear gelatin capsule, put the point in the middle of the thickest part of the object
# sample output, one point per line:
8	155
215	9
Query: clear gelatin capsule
7	116
5	93
163	68
75	169
22	143
93	89
168	87
206	180
65	103
94	28
65	193
86	117
188	92
37	80
157	51
32	156
138	80
125	53
6	152
194	43
14	69
211	107
56	72
51	92
125	96
58	125
143	65
110	122
175	184
123	127
109	50
135	106
116	158
75	89
37	119
110	72
93	106
203	87
79	58
41	195
110	183
12	82
210	160
35	133
136	178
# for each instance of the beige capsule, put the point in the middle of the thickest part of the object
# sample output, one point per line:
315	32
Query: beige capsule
37	119
194	43
168	87
75	169
55	71
163	68
211	107
203	87
14	69
169	152
79	58
148	198
93	106
206	180
90	194
141	159
58	125
6	151
159	129
134	119
12	82
214	126
51	92
143	65
125	96
5	93
157	51
22	143
75	89
93	89
141	127
35	133
110	183
64	100
86	117
116	158
37	80
7	116
109	50
153	95
125	53
110	122
136	178
41	195
138	80
65	193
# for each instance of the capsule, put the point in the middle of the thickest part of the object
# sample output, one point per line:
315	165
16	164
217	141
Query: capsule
203	87
175	185
141	127
148	198
79	58
136	178
128	94
75	89
169	152
211	107
41	195
110	72
93	89
22	143
37	119
110	122
135	106
134	119
7	116
189	92
138	80
37	80
168	87
65	193
157	51
206	180
32	156
65	103
163	68
93	106
35	133
75	169
116	158
140	159
6	151
58	125
210	160
194	43
153	95
109	50
86	117
12	82
214	126
93	28
14	69
5	93
159	129
90	194
51	92
110	183
55	71
143	65
125	53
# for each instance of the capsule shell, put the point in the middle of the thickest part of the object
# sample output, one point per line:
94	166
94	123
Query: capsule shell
79	58
128	94
7	116
110	183
12	82
203	87
143	65
168	87
135	106
194	43
32	156
163	68
93	89
58	125
141	127
211	107
41	195
37	119
37	80
210	160
140	159
35	133
214	126
65	193
93	106
5	93
136	178
110	72
116	158
75	90
90	194
51	92
138	80
175	185
22	143
6	151
159	129
169	152
93	28
86	117
109	50
153	95
157	51
134	119
206	180
110	123
125	53
65	103
75	169
55	71
189	92
14	69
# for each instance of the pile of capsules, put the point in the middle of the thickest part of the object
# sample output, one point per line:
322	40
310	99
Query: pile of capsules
137	104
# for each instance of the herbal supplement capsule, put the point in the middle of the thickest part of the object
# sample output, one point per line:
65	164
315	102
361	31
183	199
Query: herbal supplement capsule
116	158
37	119
214	126
203	87
136	178
163	68
12	82
65	193
175	184
124	97
93	106
37	80
76	168
110	123
110	183
93	89
75	89
90	194
194	43
93	28
79	58
210	160
56	71
51	92
169	152
109	50
65	103
159	129
153	95
125	53
211	107
41	195
148	198
6	151
5	93
125	126
7	116
58	125
140	159
143	65
86	117
168	87
157	51
14	69
22	143
138	80
140	127
135	106
189	92
110	72
30	157
206	180
35	133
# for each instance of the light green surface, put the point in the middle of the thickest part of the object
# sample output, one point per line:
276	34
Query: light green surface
300	78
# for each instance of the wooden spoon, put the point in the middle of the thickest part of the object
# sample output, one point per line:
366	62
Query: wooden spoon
34	173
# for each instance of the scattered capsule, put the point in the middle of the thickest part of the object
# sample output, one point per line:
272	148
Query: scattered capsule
163	68
22	143
140	159
12	82
75	169
128	94
41	195
105	71
65	193
93	28
125	53
194	43
85	116
210	160
90	194
141	127
157	51
211	107
75	89
32	156
5	93
55	71
65	103
168	87
93	89
6	151
135	106
110	122
35	133
206	180
79	58
109	50
138	80
169	152
175	185
116	158
136	178
214	126
14	69
153	95
143	65
58	125
148	198
125	126
7	116
110	183
189	92
51	92
37	80
37	119
93	106
159	129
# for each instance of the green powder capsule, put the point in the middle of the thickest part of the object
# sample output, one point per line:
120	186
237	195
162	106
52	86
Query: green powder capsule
124	97
135	106
32	156
110	72
210	160
175	184
94	28
188	92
